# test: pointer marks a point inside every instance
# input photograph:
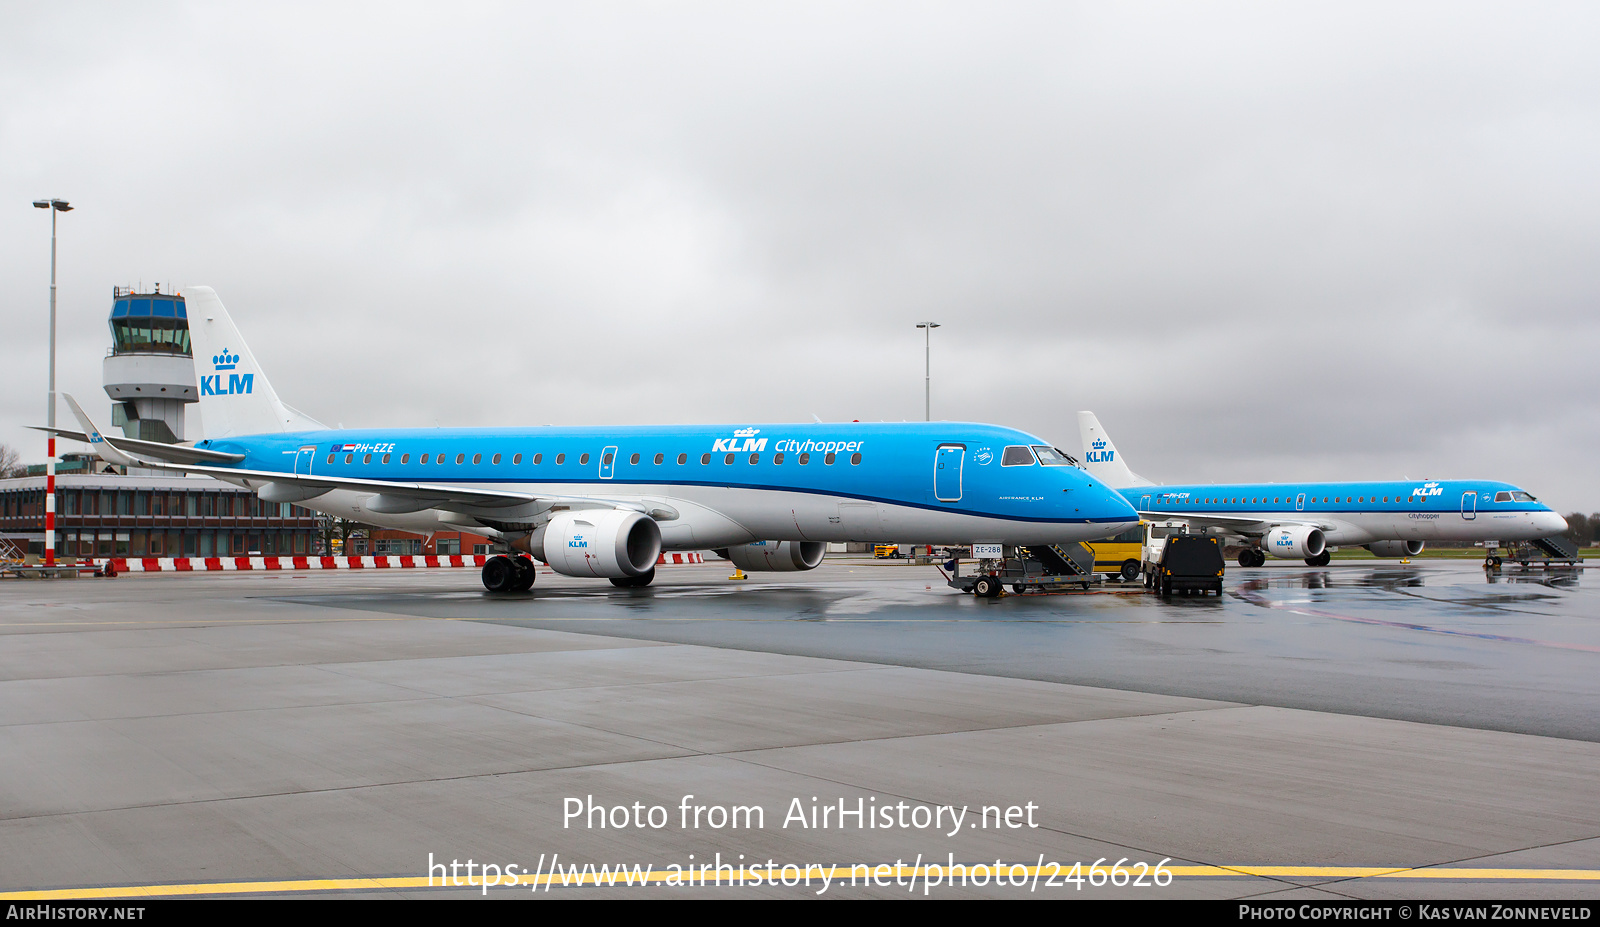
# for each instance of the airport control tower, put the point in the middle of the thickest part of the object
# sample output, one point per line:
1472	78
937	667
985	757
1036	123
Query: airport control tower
149	373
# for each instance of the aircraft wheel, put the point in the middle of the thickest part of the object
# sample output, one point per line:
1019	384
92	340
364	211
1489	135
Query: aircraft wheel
635	582
1130	570
499	574
1259	557
986	587
1246	559
526	574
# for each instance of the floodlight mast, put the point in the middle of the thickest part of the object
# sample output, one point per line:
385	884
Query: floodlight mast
927	369
55	206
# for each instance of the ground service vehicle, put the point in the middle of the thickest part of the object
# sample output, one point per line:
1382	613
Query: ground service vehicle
1120	555
1188	563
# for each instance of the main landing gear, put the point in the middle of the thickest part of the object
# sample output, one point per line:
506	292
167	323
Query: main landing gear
509	574
1320	560
1252	557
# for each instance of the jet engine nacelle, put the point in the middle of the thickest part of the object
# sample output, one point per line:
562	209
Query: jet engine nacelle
1395	548
610	543
776	556
1294	543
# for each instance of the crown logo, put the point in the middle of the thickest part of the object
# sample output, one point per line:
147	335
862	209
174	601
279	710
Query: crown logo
1099	445
746	432
225	361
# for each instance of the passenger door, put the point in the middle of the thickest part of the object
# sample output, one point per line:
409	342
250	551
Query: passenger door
1469	505
608	462
947	464
302	460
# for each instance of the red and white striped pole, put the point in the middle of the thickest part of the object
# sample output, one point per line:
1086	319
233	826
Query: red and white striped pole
55	206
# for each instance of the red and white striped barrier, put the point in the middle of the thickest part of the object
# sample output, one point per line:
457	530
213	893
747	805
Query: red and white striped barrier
204	564
385	562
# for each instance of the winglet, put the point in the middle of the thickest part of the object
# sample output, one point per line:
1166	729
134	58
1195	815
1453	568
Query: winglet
96	441
1100	456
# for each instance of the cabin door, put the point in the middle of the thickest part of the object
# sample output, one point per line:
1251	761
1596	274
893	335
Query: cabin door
947	463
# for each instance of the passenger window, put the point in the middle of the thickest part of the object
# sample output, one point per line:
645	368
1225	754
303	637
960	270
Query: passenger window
705	459
439	460
683	459
495	460
405	458
805	459
461	459
477	459
659	459
827	459
561	459
330	458
728	459
386	458
516	460
855	459
755	458
1017	455
635	460
426	457
777	458
349	458
538	458
583	460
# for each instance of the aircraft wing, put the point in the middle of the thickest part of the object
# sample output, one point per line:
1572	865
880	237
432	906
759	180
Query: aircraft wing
177	453
391	498
1242	524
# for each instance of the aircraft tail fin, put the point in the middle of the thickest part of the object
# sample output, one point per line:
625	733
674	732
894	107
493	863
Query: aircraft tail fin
1100	456
235	397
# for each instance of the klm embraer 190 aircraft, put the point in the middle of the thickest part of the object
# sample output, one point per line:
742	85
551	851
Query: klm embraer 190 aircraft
605	501
1301	520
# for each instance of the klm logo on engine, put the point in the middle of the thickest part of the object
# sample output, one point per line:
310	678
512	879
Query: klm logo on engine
238	384
1099	454
732	445
1428	489
578	540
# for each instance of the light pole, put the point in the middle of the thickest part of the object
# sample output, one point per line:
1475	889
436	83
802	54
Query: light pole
55	206
927	368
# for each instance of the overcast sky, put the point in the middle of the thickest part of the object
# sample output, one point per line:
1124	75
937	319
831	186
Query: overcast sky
1262	241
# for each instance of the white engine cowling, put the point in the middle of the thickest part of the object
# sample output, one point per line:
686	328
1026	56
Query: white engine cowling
1395	548
609	543
776	556
1294	543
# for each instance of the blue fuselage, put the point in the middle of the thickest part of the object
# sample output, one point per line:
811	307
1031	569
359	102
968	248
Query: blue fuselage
1358	513
914	482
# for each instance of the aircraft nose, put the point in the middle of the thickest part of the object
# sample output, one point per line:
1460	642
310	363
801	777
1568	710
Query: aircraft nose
1549	523
1115	506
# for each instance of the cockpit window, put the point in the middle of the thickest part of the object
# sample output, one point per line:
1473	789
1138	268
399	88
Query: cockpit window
1053	457
1017	456
1523	497
1502	497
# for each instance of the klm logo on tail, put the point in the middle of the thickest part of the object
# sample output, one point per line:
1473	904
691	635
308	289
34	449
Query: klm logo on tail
238	383
1099	454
